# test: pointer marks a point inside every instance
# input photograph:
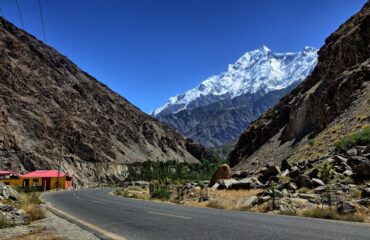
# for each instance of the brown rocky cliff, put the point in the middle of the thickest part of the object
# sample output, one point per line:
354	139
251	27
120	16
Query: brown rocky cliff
48	106
340	76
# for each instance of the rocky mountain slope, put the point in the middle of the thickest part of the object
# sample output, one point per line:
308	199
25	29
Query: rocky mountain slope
51	108
332	102
218	110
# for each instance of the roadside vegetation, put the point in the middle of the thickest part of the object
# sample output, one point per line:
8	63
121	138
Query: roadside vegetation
171	170
331	213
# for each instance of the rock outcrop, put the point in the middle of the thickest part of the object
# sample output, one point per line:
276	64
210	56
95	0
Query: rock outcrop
340	80
52	112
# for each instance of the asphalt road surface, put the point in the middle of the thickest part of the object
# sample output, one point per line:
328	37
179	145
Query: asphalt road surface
137	219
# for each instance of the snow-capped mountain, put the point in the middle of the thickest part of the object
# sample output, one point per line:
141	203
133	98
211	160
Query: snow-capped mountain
256	71
221	107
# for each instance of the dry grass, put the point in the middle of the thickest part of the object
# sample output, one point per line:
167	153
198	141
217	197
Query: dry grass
215	204
225	199
133	192
328	213
38	235
31	204
4	223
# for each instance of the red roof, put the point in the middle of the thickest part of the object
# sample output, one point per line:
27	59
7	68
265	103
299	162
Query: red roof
7	172
43	173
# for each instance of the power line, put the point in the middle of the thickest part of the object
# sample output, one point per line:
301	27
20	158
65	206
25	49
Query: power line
42	21
19	12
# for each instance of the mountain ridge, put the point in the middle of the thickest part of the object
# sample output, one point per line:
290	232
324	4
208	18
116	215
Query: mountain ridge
51	111
340	80
217	111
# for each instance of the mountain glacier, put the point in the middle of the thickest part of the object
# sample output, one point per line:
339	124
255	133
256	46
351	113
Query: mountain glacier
260	70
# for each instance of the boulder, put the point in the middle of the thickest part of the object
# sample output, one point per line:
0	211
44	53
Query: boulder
223	172
285	173
348	173
364	201
310	197
7	192
345	207
351	152
240	174
250	202
215	186
360	166
313	173
226	183
246	183
303	181
287	185
317	182
338	160
365	193
270	170
320	190
285	165
294	172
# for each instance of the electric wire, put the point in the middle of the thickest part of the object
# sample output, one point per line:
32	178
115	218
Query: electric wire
19	12
42	21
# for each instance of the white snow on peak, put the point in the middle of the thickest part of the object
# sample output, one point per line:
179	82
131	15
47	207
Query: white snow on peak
257	70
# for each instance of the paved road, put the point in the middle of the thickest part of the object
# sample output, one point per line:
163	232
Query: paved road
136	219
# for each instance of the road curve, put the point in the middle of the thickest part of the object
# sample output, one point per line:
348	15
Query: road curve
137	219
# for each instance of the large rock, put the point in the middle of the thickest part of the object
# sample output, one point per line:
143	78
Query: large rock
251	202
345	207
294	172
317	182
226	183
7	192
223	172
303	181
270	170
246	183
360	166
365	193
285	165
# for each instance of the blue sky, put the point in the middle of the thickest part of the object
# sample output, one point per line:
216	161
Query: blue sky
149	50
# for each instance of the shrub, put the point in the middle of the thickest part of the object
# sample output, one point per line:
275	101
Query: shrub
161	194
330	213
359	138
215	204
326	171
34	212
4	223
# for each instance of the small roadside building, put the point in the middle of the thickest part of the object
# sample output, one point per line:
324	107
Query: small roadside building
39	179
47	179
10	178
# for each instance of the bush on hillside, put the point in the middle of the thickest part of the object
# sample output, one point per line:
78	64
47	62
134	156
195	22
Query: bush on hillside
359	138
161	194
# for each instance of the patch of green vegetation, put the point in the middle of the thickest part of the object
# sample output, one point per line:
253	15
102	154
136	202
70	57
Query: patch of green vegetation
359	138
326	171
161	194
171	171
329	213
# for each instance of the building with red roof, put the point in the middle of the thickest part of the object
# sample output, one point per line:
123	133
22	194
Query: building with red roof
43	179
